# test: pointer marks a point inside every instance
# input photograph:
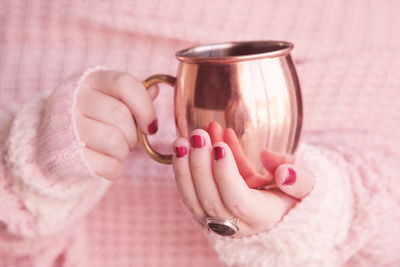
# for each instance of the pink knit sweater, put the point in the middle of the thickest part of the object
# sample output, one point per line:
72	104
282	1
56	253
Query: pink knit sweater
54	211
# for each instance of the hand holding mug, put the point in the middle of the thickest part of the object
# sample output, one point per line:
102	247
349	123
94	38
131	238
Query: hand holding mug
107	103
211	185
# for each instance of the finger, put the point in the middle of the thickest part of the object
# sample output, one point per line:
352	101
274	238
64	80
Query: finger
296	181
153	91
233	189
127	89
203	180
109	110
184	180
215	131
272	160
103	165
103	138
254	207
251	176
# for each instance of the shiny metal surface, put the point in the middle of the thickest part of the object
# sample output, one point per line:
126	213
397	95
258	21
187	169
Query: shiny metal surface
250	87
234	51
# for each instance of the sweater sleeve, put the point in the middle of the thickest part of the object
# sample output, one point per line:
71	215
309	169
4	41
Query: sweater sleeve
45	181
348	219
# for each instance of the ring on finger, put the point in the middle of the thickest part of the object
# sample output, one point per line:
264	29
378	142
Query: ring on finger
222	226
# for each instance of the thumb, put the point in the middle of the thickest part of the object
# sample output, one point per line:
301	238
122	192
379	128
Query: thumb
296	181
153	91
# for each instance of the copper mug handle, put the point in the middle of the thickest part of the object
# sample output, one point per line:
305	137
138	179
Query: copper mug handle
142	137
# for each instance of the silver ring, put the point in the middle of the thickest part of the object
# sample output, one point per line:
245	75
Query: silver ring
223	227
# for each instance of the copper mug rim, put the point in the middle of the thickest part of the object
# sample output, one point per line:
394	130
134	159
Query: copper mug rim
227	52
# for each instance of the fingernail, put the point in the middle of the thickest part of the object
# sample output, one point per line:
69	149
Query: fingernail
197	141
291	177
180	151
153	127
219	153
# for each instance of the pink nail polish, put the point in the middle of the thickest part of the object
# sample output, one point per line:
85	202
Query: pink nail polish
291	177
153	127
180	151
219	153
197	141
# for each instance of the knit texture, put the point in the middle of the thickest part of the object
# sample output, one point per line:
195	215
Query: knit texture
54	211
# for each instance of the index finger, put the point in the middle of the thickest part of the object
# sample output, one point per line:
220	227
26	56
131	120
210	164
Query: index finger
126	88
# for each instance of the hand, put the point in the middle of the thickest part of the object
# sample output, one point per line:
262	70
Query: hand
107	106
211	185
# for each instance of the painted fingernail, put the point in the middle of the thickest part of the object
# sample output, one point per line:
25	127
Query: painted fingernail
291	177
197	141
180	151
153	127
219	153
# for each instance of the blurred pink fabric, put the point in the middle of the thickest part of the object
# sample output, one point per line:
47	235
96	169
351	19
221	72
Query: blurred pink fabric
55	212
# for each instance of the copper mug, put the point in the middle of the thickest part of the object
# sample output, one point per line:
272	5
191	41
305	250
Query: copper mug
250	87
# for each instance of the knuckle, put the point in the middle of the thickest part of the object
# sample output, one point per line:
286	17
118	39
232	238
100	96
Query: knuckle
193	207
84	89
113	137
122	77
187	203
198	211
120	112
198	165
116	142
124	151
123	80
180	174
201	219
238	210
113	169
211	207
